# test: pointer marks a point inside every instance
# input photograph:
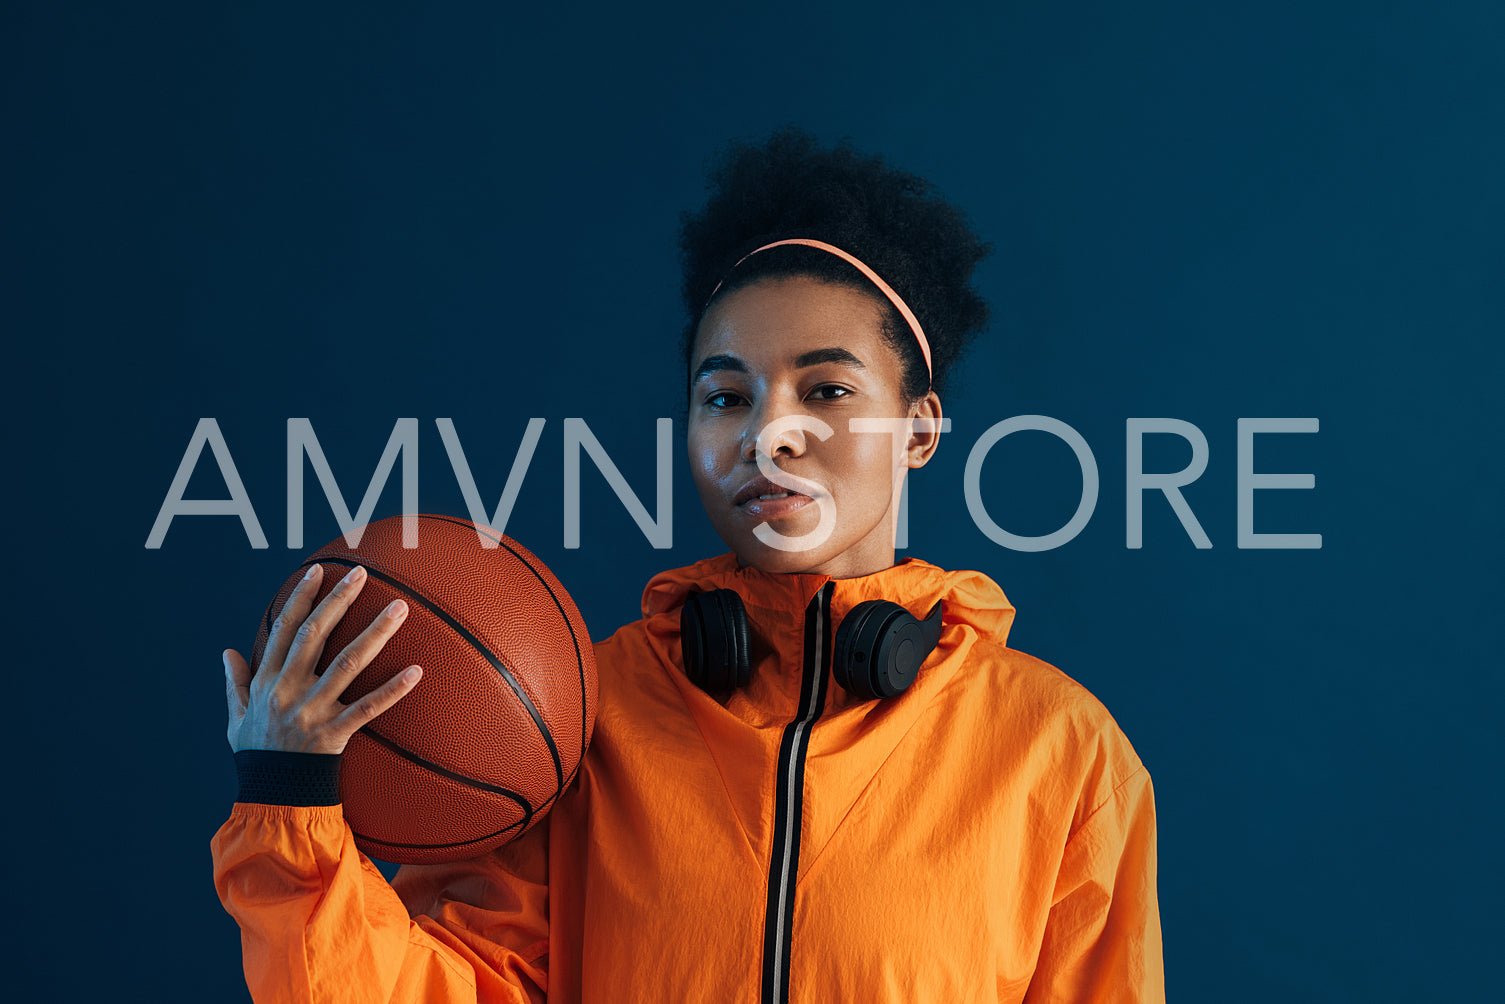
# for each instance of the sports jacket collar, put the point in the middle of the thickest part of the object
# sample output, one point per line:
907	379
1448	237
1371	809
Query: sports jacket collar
971	597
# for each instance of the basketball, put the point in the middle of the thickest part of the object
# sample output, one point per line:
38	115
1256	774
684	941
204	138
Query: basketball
481	748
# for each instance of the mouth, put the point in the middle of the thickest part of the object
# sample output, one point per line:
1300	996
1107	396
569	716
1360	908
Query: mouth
761	490
763	501
772	507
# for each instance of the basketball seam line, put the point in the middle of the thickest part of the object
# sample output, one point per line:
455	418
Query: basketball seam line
442	771
561	781
496	661
434	847
574	639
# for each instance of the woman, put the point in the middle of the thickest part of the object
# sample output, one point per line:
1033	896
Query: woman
762	815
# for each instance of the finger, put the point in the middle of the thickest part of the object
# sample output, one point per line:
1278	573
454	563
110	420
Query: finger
356	656
308	640
357	715
237	683
291	617
237	690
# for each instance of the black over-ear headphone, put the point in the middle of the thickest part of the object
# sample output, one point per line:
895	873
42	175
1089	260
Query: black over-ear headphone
879	647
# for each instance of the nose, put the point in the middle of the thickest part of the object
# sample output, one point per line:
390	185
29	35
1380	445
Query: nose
777	427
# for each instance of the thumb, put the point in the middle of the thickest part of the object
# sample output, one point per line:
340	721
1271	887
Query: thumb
237	684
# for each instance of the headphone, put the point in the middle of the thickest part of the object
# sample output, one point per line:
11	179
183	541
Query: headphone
879	647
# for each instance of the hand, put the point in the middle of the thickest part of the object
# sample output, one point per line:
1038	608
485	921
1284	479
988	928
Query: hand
284	705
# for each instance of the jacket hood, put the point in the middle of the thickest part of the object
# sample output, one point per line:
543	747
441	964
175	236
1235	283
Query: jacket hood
971	598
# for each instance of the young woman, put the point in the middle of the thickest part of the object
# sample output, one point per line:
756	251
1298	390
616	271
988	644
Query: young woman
816	774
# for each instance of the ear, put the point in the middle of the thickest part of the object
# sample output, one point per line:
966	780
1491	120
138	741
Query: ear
926	430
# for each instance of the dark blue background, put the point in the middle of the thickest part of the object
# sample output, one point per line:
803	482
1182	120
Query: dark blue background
1200	210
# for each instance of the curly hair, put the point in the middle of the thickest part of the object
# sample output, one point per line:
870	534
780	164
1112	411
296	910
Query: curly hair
788	186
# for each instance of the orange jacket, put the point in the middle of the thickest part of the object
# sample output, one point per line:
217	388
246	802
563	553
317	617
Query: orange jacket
987	835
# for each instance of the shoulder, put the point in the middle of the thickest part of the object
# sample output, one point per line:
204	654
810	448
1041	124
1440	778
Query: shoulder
643	647
1056	725
636	667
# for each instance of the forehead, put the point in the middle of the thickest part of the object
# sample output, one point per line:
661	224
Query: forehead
773	321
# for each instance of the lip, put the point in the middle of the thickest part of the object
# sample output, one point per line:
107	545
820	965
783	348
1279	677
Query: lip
766	509
760	486
747	499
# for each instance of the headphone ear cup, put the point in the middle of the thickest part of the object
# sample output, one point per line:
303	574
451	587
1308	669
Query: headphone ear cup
714	640
880	647
738	639
852	654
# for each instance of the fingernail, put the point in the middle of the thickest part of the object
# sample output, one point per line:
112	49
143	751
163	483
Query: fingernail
411	673
312	571
396	609
356	574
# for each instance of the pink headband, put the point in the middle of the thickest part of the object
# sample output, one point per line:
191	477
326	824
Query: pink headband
883	287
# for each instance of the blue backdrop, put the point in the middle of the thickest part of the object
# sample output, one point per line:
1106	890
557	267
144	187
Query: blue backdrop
1201	211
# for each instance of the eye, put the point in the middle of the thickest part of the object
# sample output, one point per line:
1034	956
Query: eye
820	392
717	400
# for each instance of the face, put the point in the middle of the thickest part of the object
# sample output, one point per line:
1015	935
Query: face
782	367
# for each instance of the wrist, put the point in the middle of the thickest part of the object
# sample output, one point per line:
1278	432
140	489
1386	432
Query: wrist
279	777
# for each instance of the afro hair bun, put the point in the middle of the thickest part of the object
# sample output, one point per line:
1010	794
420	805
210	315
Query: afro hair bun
789	186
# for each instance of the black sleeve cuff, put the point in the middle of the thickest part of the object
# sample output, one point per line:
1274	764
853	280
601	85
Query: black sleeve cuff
276	777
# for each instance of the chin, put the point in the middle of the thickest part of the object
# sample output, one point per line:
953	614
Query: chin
846	541
774	561
753	552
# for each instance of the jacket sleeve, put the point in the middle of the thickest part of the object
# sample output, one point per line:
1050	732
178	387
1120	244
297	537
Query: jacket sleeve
320	924
1102	939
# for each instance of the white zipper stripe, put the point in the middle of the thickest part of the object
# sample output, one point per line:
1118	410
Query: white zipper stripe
816	666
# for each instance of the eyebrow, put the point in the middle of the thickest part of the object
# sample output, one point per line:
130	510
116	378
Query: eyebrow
723	361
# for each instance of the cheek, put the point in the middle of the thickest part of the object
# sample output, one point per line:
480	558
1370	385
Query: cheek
865	469
706	455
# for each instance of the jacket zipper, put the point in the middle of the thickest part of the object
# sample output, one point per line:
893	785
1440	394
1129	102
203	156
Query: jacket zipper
789	797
